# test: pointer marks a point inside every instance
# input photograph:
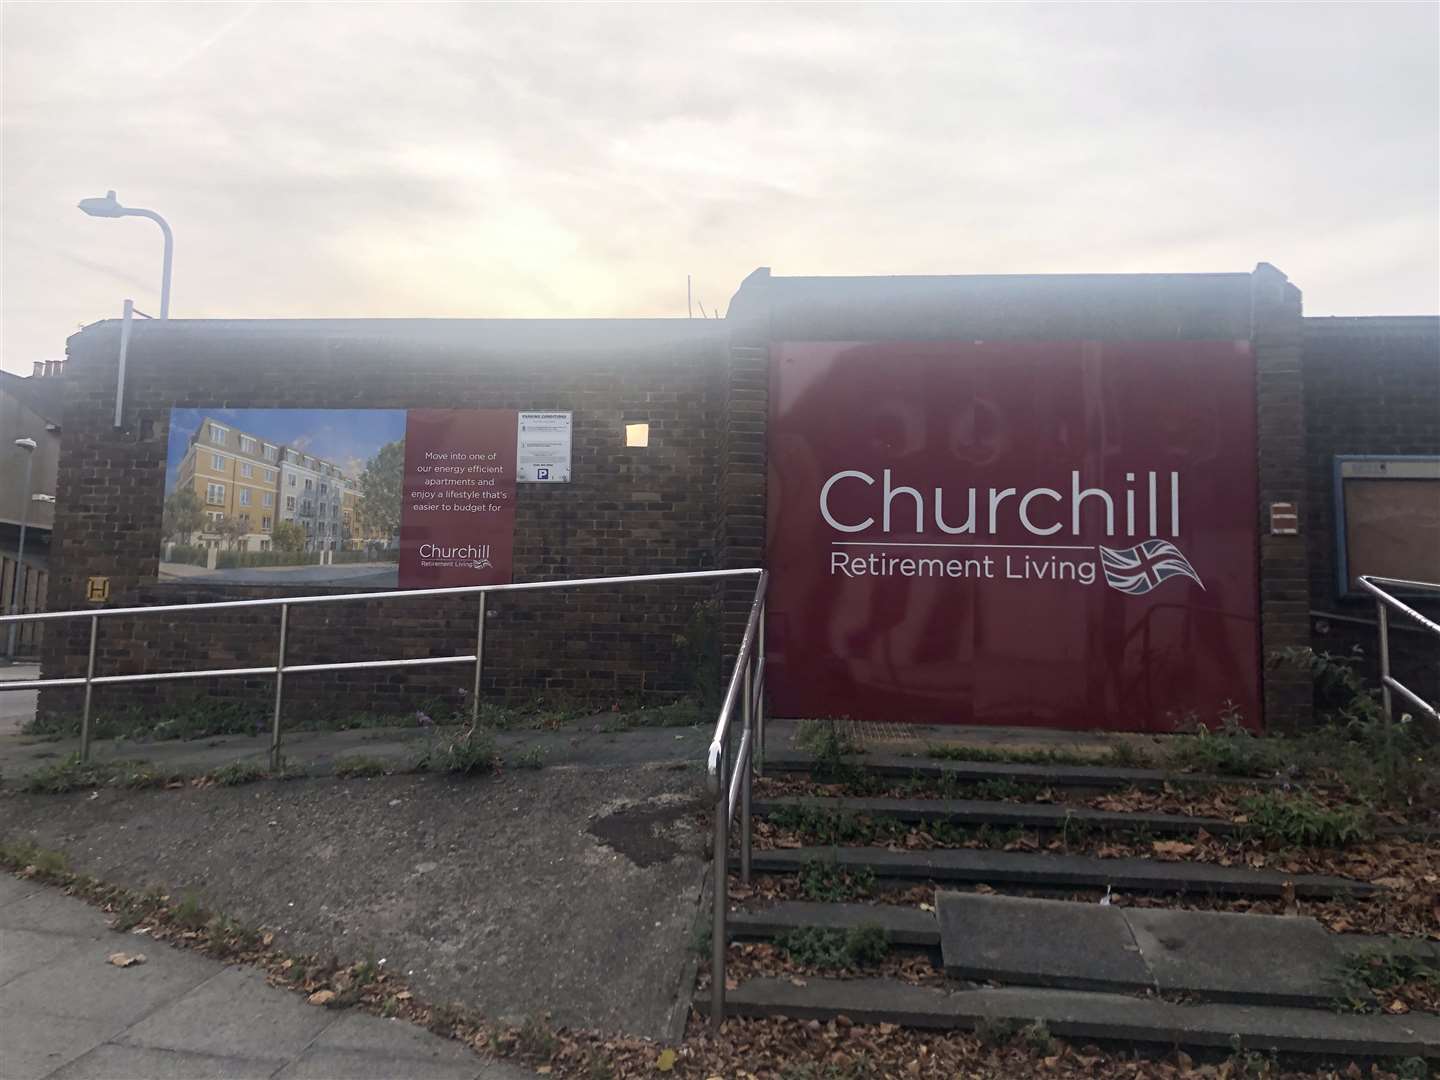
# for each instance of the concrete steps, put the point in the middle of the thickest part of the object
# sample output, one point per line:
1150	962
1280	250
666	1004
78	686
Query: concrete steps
1090	1016
978	812
1099	777
1059	871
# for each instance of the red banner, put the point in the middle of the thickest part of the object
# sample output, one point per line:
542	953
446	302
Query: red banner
1051	533
457	521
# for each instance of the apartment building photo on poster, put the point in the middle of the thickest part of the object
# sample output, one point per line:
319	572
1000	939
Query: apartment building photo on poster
268	496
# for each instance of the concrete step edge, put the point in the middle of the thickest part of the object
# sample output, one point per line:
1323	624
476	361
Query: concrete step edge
991	812
1061	871
1088	1015
979	771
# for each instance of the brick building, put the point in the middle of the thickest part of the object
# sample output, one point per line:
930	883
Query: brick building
695	496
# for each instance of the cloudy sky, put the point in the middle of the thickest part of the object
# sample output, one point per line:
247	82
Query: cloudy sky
555	160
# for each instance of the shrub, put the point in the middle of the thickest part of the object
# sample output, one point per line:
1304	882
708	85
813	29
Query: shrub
1232	751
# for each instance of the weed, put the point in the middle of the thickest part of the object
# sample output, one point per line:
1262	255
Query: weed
471	751
1232	751
1014	757
237	773
537	1038
1001	787
359	766
995	1031
597	1068
830	883
824	739
1125	755
533	758
189	913
445	1019
1412	1068
1298	819
42	863
700	939
1037	1038
1369	973
847	950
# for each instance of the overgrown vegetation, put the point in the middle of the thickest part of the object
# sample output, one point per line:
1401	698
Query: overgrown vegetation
1010	756
828	882
1370	979
847	950
533	758
1298	819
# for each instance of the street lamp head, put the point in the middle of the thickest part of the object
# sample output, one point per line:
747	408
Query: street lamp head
25	444
109	206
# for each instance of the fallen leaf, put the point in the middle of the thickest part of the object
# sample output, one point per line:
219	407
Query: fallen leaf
1174	848
321	997
1390	882
403	995
666	1061
544	1070
124	960
1397	1007
985	889
267	939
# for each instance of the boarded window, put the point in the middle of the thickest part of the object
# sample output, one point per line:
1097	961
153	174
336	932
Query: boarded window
1388	519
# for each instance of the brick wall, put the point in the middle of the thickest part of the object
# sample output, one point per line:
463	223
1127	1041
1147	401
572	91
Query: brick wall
1284	563
1371	386
626	511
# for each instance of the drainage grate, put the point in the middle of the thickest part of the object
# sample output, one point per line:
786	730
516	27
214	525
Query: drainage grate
869	734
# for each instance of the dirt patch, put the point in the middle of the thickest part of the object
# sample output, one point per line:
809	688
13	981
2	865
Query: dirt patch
492	891
654	831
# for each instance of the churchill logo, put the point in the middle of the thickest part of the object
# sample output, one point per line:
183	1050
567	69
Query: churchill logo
1139	569
1053	523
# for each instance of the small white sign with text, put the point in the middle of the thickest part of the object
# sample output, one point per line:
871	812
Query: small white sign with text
542	454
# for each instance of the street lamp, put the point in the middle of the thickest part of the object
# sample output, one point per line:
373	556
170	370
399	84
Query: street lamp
28	445
110	206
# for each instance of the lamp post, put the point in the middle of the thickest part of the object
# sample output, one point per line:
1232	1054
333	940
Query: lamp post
110	207
28	445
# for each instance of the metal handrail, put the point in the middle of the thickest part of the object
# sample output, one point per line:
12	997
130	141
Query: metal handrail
747	688
1384	601
280	668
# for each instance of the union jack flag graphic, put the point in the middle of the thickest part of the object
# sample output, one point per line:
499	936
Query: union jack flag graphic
1141	568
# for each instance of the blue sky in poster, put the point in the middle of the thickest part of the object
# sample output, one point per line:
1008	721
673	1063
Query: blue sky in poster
347	437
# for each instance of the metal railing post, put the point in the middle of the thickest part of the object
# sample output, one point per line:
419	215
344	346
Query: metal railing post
89	690
479	663
760	702
721	874
1382	617
744	767
279	688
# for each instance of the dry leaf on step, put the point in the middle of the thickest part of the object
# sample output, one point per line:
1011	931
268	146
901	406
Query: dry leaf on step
120	959
1175	849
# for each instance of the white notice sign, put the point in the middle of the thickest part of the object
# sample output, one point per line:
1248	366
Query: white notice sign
543	452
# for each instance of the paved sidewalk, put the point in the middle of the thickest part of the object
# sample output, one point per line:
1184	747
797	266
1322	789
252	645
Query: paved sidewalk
17	707
66	1014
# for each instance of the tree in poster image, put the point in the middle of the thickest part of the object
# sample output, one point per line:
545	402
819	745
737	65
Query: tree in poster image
381	487
288	536
232	530
182	515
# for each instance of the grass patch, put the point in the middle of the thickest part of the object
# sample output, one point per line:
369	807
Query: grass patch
359	766
71	774
533	758
237	773
830	883
1297	819
1367	976
847	950
46	865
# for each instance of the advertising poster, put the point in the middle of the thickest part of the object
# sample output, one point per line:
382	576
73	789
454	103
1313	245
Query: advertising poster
1047	533
360	498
